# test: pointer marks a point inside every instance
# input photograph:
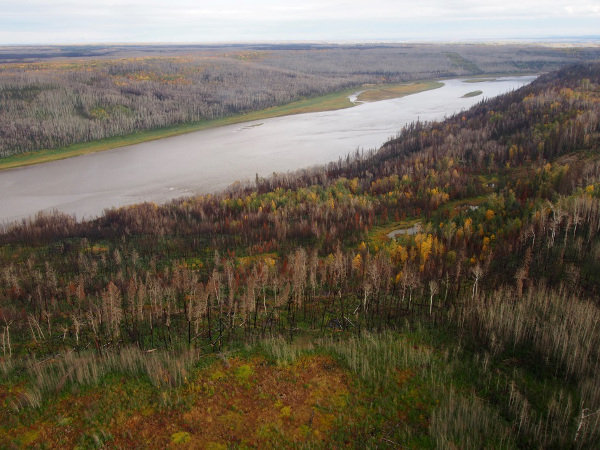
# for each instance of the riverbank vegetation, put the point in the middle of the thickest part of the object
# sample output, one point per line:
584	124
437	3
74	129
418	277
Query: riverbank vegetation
387	92
284	301
327	102
473	94
54	98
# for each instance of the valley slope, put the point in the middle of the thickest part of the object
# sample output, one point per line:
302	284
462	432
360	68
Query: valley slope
288	303
63	100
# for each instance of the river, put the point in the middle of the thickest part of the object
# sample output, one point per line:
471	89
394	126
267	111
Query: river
209	160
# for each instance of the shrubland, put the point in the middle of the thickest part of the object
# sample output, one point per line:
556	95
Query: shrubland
285	301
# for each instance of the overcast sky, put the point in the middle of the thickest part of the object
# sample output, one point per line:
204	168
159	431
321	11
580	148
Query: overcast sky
86	21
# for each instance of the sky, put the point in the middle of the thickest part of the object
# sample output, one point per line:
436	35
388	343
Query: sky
202	21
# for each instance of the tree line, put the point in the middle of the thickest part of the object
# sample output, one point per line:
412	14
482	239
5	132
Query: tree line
52	104
307	244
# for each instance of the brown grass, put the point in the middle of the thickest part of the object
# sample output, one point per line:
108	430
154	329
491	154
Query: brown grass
250	403
230	403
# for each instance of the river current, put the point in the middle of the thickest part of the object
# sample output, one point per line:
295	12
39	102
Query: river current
209	160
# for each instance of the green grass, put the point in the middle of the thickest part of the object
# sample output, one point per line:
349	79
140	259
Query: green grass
417	387
472	94
330	102
378	234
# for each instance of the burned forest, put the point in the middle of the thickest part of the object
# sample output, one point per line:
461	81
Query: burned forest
441	291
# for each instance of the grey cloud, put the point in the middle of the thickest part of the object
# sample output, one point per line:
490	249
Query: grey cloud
185	20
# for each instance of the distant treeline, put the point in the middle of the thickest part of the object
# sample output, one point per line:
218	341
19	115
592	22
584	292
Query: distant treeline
81	94
506	256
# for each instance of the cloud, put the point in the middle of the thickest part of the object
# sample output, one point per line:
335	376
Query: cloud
230	20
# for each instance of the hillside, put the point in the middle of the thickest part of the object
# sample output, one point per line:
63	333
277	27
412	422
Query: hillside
283	313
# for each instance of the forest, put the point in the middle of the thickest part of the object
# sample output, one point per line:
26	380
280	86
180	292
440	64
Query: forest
441	292
54	97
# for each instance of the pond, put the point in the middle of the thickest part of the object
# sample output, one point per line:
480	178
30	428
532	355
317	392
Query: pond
410	231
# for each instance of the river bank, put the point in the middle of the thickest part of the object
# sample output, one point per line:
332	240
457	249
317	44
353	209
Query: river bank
329	102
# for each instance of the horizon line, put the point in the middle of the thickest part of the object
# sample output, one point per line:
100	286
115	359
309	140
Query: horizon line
508	40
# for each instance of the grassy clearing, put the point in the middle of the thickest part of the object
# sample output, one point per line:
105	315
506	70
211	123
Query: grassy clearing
237	400
421	387
325	392
390	91
471	201
378	235
472	94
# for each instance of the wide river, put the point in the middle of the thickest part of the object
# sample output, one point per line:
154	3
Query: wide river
210	160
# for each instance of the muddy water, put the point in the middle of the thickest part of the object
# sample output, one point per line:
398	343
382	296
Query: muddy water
210	160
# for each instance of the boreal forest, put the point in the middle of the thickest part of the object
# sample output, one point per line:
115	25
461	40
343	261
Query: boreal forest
55	97
440	292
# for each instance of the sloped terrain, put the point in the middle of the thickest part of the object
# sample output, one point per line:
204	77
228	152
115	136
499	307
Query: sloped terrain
288	302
